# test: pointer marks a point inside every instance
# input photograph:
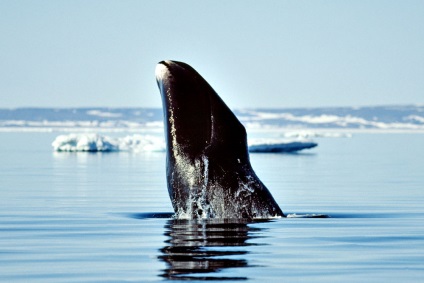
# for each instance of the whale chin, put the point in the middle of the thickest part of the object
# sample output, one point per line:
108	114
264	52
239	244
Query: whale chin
209	174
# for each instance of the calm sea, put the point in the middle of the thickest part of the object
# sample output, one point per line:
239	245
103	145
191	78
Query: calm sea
105	217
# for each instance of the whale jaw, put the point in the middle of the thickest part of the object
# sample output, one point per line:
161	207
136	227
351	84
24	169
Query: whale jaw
208	168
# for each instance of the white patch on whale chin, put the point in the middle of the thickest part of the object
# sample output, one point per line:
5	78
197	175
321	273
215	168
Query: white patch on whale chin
161	72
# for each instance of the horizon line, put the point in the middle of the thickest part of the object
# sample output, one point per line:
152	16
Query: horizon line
241	108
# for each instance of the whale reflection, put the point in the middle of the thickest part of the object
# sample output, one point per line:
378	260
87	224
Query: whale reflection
199	250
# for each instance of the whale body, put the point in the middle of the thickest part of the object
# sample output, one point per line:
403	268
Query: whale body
208	170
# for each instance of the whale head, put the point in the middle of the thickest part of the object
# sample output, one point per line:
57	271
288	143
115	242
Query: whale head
198	119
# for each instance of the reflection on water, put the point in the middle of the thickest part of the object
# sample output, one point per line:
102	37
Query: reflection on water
199	250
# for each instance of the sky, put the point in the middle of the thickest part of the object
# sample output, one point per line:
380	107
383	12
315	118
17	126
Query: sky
255	54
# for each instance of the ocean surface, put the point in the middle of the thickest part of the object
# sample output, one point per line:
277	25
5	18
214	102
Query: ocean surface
106	216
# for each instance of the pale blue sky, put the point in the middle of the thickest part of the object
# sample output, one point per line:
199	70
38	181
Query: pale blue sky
254	53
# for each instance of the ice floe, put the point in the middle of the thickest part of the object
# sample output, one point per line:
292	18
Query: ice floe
279	145
100	143
151	143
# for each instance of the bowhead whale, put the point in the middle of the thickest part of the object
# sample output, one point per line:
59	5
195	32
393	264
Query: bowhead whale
207	161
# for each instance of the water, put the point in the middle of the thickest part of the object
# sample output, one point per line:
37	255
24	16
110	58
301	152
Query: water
104	217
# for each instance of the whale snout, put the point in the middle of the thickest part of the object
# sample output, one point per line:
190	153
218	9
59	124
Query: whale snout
162	70
168	68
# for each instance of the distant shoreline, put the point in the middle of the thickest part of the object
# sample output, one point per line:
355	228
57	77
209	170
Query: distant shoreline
160	130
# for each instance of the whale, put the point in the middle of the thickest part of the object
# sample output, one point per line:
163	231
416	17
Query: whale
208	170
